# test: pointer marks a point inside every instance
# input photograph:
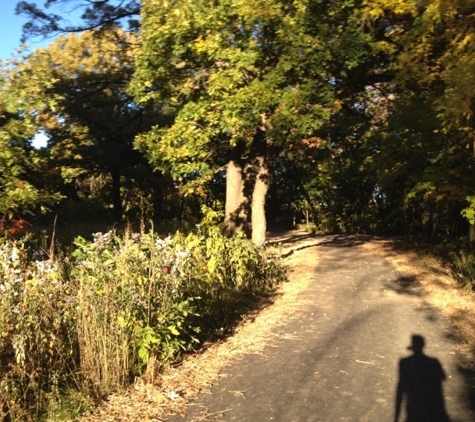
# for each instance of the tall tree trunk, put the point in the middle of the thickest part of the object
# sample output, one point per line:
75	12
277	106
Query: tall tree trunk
246	189
237	209
258	213
233	195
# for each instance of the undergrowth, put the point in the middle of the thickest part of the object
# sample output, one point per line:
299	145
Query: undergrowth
463	263
456	254
78	327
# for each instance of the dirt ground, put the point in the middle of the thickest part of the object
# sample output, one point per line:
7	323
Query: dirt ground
170	392
439	285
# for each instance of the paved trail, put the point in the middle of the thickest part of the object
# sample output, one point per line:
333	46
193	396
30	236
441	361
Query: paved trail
337	359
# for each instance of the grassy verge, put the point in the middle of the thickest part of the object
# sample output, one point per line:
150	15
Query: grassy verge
170	391
80	327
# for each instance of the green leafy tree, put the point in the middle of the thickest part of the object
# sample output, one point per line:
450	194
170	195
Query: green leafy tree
241	81
430	126
24	191
79	101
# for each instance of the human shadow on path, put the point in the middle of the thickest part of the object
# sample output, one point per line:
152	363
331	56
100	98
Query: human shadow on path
420	386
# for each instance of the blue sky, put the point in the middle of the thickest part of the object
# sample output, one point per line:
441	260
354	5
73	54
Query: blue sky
10	34
10	28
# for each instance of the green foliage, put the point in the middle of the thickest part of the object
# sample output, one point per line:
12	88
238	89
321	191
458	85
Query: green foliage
469	211
22	190
386	85
226	73
464	267
37	331
128	294
426	163
73	91
91	323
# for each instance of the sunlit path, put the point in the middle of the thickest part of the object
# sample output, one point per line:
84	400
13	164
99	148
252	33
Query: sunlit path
337	359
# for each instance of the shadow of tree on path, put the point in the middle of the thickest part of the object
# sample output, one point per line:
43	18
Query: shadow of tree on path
406	285
276	238
345	241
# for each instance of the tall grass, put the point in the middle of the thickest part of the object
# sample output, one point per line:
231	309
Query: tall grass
464	267
38	349
119	307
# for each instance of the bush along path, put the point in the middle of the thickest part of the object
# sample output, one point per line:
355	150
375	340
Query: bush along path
81	327
333	353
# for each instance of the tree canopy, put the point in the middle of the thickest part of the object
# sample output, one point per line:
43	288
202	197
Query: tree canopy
356	114
241	83
23	189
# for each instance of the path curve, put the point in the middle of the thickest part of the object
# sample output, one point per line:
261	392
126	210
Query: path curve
336	359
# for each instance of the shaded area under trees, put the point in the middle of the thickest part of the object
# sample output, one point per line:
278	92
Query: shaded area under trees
352	115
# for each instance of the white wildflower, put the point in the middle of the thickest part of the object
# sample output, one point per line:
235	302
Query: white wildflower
14	255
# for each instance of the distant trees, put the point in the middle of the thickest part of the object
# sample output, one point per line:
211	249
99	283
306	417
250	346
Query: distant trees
74	93
24	187
358	115
425	164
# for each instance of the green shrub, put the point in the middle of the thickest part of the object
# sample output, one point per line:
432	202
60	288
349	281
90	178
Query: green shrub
129	306
37	331
464	267
119	305
143	299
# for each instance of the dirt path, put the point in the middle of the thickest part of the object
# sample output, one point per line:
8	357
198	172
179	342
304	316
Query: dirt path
335	356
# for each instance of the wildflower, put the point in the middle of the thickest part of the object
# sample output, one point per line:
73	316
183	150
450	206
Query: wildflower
136	237
14	255
163	243
45	267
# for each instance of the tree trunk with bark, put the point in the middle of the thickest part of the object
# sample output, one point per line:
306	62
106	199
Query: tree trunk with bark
247	184
258	214
237	208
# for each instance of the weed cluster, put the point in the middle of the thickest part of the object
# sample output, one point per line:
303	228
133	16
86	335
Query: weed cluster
463	263
118	307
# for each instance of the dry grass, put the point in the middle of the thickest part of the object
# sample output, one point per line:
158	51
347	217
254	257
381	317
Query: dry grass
104	347
440	288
